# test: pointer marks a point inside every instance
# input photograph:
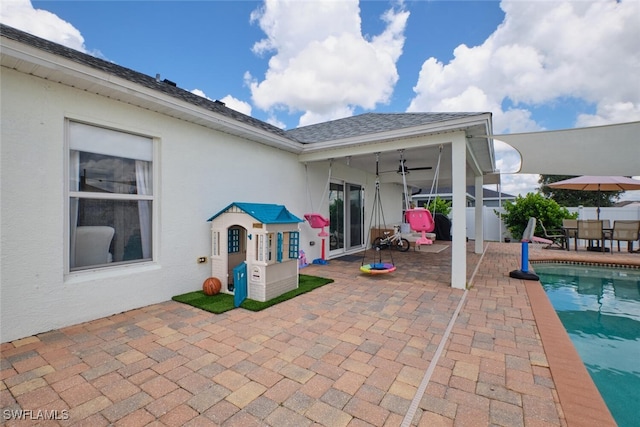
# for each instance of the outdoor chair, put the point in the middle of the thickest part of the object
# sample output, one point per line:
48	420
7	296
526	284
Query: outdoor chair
590	229
92	245
606	228
627	231
529	236
557	237
570	227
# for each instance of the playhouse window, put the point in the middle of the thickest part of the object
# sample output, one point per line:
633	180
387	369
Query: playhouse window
111	197
260	247
289	244
264	247
269	247
234	240
215	243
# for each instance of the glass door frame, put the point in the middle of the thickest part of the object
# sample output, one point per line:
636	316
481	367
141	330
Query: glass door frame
341	240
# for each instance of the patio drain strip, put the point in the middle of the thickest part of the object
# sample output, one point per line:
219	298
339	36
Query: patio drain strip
413	407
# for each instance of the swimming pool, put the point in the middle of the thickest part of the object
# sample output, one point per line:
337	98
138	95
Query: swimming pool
600	309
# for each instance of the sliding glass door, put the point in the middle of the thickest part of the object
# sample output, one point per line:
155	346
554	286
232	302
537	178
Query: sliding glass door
355	216
346	230
336	218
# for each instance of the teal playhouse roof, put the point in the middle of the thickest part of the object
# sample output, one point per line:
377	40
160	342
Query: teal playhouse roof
266	213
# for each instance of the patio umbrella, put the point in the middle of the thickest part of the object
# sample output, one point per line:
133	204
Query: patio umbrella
598	183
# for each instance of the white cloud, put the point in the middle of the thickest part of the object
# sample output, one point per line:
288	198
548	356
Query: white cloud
201	93
616	112
520	184
229	101
20	14
542	53
322	65
238	105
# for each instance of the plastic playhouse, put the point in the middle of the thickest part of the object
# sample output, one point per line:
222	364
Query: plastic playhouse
264	240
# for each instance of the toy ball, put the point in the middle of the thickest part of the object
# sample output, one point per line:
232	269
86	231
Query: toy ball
211	286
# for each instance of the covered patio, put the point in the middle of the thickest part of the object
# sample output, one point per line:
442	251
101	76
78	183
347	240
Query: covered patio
398	350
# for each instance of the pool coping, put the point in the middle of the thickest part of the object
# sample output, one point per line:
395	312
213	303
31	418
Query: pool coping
581	401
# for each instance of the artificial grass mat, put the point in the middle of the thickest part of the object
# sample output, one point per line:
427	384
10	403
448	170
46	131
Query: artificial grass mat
220	303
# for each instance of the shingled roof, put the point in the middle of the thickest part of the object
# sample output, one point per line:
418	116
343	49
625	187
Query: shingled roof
134	76
266	213
369	123
364	124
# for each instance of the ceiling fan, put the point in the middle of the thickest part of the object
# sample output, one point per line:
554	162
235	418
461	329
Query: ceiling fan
403	167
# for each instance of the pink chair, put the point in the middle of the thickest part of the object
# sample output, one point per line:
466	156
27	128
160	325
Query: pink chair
317	221
420	219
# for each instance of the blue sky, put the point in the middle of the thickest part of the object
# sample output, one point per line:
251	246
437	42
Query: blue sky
536	65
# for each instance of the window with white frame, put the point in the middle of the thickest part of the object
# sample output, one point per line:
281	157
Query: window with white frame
111	197
287	246
215	243
260	247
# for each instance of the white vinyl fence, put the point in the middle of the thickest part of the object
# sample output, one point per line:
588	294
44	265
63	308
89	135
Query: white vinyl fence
494	229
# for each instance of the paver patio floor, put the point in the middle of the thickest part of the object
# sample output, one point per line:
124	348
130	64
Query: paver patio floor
352	353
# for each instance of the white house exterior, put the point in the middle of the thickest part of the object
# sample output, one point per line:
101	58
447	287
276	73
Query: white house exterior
85	142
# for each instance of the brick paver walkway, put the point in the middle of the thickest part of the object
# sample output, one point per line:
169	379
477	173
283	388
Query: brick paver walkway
352	353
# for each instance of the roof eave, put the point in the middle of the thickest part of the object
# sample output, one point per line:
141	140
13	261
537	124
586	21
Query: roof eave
409	138
396	134
52	67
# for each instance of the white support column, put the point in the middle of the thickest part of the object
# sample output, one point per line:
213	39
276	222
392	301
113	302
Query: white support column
459	207
479	215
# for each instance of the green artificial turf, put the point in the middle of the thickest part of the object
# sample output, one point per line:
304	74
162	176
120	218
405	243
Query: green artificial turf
220	303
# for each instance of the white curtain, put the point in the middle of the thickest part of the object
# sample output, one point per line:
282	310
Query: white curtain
74	185
143	183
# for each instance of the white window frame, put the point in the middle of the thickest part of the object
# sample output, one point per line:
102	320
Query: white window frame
69	194
215	244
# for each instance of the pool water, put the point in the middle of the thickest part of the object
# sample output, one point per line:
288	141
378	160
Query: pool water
600	309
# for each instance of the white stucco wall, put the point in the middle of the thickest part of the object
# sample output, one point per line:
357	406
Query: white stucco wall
200	171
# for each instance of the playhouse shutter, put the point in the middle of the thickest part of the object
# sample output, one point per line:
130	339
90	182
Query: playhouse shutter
294	244
279	248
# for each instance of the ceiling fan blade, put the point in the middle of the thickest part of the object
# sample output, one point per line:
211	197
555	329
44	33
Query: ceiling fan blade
421	168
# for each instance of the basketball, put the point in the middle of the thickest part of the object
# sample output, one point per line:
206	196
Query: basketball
211	286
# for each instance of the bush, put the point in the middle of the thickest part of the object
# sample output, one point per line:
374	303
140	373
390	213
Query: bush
439	205
548	211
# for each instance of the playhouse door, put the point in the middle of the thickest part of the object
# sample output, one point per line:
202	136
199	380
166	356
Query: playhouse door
236	251
240	281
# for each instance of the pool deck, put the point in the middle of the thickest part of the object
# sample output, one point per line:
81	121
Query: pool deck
400	349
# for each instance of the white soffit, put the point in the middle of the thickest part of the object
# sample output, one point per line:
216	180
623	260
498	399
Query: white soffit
601	150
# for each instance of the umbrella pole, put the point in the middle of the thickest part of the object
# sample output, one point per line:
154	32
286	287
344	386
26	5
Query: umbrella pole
598	203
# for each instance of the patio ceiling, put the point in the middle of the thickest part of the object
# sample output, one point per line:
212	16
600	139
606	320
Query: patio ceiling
389	162
419	150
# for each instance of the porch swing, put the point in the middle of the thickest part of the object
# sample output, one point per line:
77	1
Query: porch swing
421	219
377	214
317	220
